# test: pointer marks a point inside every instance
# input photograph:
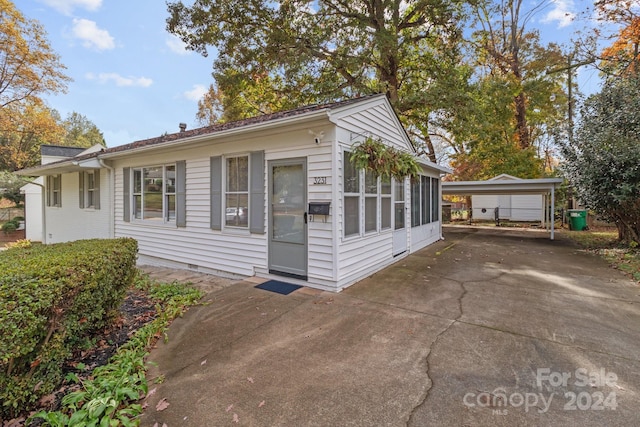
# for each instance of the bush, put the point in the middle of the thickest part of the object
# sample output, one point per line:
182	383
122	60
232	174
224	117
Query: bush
18	218
10	226
52	298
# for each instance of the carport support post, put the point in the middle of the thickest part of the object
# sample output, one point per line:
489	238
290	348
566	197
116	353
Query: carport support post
553	204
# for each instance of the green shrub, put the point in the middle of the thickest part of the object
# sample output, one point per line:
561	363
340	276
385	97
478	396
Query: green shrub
10	226
52	298
110	396
18	218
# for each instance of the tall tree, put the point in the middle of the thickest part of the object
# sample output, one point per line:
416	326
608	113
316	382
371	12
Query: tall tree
306	51
81	132
29	68
28	65
24	126
502	38
603	160
623	55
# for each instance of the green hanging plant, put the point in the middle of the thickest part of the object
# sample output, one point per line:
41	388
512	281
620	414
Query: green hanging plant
373	155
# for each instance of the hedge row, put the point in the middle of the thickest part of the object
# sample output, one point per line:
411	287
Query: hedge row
52	298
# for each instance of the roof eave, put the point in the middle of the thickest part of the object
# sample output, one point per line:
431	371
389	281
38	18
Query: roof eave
313	115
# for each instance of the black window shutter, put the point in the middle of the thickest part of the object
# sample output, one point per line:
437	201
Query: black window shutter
126	194
181	193
256	192
216	192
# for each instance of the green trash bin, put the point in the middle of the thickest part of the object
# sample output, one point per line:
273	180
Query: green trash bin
577	219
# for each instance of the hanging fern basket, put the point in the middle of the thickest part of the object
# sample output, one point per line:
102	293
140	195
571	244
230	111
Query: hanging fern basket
384	161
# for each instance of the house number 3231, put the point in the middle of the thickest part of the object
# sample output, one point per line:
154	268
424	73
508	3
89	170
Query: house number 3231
318	180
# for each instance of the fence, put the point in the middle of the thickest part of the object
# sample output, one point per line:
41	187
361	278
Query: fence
7	214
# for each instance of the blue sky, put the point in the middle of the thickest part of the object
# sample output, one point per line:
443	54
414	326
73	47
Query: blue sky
135	81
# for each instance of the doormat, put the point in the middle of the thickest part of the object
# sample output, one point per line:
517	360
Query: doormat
278	287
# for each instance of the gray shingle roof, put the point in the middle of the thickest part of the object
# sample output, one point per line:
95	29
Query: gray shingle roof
60	151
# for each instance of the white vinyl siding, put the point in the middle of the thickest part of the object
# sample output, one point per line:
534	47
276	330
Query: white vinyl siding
231	250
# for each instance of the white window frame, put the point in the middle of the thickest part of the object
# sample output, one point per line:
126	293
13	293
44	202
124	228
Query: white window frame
427	213
165	217
54	191
401	202
351	195
362	197
369	196
384	196
227	192
90	189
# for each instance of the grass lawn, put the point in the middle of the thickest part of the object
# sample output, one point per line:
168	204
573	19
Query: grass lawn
605	243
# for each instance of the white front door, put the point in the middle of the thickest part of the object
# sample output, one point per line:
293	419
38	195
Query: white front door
400	218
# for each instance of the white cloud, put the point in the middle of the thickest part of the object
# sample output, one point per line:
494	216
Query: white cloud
67	6
120	80
91	35
177	46
562	13
196	93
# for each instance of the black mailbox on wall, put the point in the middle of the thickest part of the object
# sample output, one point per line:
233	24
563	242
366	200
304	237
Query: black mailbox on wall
319	208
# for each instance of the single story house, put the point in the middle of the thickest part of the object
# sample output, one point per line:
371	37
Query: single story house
33	194
511	207
274	195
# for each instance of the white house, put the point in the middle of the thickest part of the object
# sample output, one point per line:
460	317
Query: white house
273	195
33	194
512	207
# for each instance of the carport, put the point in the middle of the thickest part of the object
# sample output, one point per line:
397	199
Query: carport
544	186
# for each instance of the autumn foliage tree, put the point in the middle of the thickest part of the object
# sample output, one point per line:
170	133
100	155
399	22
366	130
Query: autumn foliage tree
512	101
622	56
24	126
29	69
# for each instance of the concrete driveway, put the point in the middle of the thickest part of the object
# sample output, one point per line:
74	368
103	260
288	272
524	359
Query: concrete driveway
485	328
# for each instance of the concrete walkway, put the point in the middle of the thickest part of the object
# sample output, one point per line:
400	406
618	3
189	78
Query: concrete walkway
487	328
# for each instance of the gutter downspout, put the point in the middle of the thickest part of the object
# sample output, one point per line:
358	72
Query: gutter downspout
112	191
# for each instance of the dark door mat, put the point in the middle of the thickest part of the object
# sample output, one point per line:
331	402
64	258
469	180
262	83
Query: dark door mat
278	287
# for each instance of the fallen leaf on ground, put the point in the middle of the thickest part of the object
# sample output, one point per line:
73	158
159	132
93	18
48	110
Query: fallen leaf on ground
47	400
203	362
235	418
151	392
162	405
261	404
230	407
250	380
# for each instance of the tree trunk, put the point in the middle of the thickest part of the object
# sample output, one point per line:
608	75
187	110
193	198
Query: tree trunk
522	128
431	152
